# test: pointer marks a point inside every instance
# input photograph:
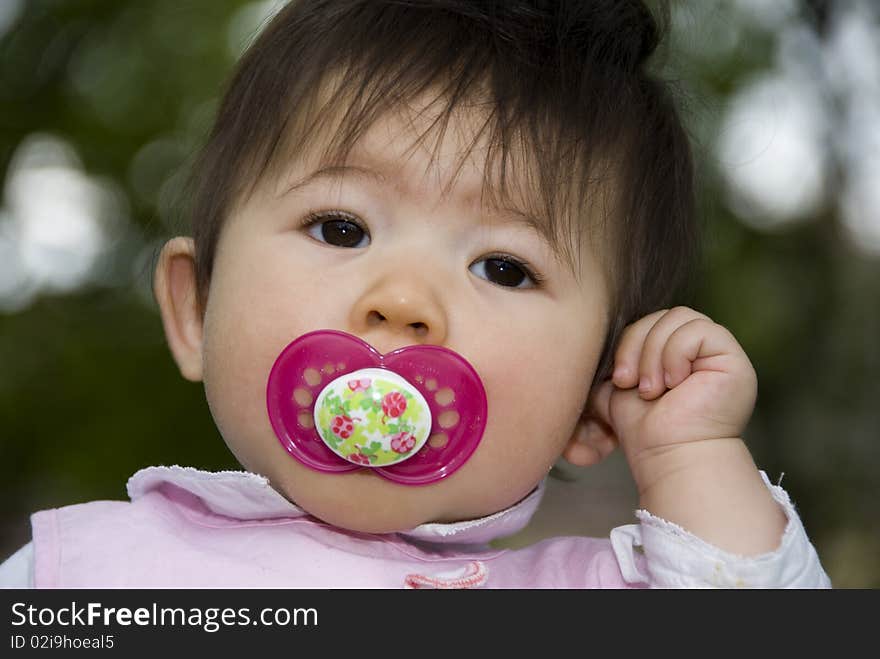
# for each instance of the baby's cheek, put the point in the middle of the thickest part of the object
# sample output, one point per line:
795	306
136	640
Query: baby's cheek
530	418
237	364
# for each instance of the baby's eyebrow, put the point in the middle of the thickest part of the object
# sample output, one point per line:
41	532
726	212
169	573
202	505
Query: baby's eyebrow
521	218
336	172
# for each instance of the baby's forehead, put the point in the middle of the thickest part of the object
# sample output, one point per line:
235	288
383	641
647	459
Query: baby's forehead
452	166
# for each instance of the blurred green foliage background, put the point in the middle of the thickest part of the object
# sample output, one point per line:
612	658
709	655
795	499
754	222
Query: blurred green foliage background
102	103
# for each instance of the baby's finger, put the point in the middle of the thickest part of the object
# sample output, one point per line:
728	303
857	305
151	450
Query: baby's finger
700	344
682	349
629	350
652	382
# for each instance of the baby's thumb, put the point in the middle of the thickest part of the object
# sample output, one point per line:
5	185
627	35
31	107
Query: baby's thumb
599	402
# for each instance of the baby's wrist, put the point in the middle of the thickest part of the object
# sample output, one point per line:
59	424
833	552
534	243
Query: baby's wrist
713	489
653	468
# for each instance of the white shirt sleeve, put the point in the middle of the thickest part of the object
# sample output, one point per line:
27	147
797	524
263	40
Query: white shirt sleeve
17	571
675	558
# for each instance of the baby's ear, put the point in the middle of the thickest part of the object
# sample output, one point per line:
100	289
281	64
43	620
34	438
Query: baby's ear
174	285
593	438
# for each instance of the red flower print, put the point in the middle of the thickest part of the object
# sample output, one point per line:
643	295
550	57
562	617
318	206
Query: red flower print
394	404
342	426
359	458
359	385
402	442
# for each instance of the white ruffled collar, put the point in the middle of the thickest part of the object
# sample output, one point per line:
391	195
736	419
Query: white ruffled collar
244	495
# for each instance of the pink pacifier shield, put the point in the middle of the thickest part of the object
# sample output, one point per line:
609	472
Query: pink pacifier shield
448	383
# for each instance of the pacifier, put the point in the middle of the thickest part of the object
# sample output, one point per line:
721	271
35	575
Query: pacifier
414	415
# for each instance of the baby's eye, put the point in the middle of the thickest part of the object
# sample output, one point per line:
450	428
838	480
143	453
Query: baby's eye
505	271
338	229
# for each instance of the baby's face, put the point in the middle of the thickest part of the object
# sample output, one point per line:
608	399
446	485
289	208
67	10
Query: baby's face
391	259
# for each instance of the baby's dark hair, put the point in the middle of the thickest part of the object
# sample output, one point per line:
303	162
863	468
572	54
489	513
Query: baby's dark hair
560	84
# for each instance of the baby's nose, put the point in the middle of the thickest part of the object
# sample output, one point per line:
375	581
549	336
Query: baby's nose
396	311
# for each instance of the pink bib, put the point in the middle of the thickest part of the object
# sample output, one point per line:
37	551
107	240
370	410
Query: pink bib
188	528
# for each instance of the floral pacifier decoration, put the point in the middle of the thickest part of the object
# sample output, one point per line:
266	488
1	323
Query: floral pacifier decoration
415	415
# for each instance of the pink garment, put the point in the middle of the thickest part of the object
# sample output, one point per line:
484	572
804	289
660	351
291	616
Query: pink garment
187	528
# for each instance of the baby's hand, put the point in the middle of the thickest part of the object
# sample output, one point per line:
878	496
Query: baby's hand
678	378
679	399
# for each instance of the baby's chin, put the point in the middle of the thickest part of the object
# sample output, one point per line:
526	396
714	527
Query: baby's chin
364	502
